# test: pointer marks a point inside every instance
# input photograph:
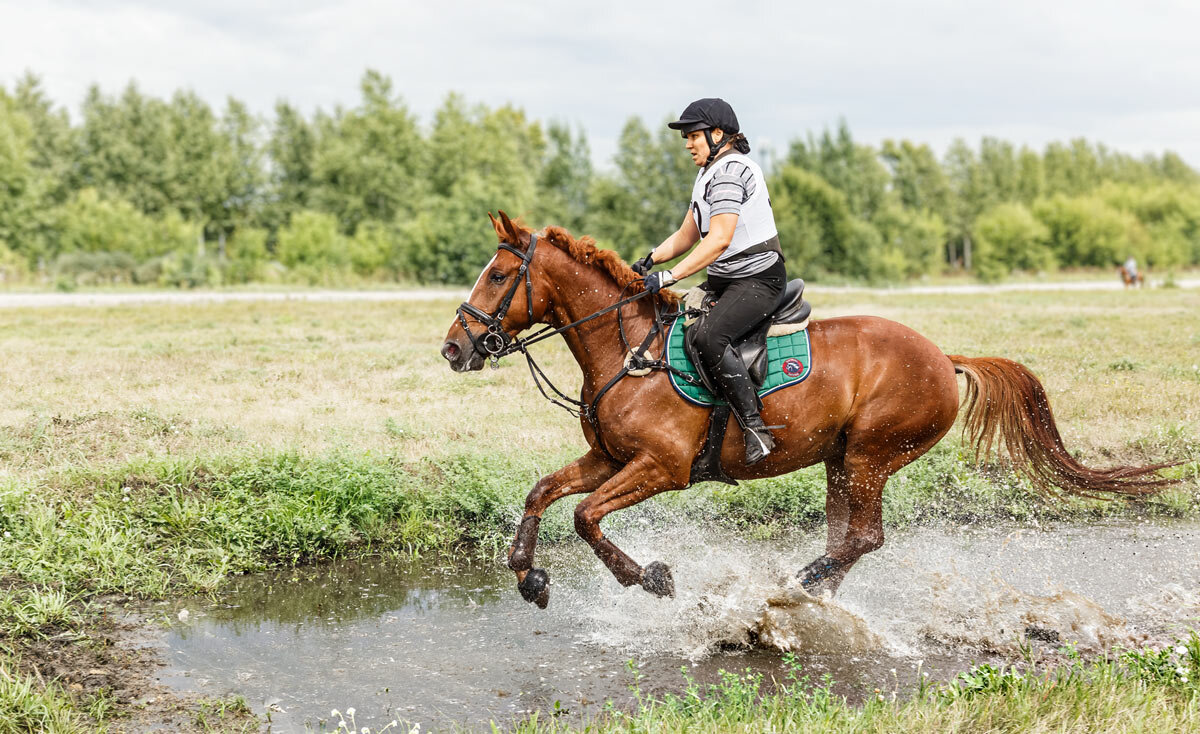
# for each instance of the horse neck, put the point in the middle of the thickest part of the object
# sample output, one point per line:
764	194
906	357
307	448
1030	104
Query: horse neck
580	291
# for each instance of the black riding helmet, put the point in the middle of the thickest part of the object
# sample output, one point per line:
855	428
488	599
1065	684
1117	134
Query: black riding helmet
708	114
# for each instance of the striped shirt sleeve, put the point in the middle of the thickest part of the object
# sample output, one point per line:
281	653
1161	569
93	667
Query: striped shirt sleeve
729	188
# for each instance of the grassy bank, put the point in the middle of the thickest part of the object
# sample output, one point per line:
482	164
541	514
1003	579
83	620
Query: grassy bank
156	527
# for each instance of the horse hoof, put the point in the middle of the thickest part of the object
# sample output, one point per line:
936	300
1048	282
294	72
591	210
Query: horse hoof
657	580
819	575
534	587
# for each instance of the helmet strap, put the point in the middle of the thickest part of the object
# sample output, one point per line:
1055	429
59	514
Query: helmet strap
712	147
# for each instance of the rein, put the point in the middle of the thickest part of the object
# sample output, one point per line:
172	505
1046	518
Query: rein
497	343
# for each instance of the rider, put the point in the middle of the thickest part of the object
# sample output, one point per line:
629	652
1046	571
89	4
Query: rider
730	215
1131	268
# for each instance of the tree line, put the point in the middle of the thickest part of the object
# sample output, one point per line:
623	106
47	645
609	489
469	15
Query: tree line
172	192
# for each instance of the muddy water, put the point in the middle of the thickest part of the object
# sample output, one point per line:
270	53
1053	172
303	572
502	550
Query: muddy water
440	645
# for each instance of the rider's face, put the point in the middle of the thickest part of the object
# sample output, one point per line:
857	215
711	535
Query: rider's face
698	146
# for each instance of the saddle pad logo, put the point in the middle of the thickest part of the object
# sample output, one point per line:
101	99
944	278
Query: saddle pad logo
792	367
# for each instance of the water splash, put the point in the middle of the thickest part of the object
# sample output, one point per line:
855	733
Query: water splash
996	617
1171	604
796	621
727	596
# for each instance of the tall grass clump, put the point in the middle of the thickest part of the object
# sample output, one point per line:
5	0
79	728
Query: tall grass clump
152	527
34	612
27	706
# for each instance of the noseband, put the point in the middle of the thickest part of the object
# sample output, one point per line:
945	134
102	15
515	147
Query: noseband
497	342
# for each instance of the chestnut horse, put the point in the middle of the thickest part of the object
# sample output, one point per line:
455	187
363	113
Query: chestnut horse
879	396
1136	280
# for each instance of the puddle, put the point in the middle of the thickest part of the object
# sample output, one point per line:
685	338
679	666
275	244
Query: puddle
457	646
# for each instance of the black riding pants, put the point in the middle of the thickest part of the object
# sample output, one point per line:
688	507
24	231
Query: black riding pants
742	303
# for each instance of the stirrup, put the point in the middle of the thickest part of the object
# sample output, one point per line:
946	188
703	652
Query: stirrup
756	448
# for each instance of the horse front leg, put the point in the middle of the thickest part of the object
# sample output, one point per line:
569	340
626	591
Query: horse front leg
638	480
584	474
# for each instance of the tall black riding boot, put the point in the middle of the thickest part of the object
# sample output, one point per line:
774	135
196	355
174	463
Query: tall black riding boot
735	385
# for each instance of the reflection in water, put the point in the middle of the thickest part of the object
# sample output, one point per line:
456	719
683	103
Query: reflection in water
455	644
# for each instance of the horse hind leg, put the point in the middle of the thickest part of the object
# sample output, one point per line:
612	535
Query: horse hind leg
854	511
856	480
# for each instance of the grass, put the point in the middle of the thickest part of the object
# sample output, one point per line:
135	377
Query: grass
159	449
1139	690
29	705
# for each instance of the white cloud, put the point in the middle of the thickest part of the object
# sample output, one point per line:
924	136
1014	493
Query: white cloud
1121	73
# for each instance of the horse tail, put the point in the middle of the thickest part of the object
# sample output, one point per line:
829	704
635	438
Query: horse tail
1005	398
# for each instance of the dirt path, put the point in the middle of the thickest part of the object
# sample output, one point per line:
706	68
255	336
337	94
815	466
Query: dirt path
131	298
34	300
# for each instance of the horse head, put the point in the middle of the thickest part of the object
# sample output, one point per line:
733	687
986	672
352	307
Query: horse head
505	300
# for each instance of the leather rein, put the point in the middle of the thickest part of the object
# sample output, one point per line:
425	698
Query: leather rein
496	343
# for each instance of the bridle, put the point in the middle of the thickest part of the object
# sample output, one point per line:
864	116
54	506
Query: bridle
497	343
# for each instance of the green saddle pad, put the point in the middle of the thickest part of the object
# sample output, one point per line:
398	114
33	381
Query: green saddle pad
789	360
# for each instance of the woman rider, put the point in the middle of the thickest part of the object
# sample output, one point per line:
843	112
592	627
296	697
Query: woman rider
731	217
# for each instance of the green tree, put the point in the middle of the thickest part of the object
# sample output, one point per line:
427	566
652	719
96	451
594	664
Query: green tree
999	170
853	169
1171	215
646	198
92	223
816	227
242	175
19	193
53	140
291	150
1031	177
917	177
969	188
911	241
369	161
566	176
1086	231
125	149
312	246
1010	238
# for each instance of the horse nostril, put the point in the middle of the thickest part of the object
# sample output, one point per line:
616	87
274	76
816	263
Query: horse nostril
450	351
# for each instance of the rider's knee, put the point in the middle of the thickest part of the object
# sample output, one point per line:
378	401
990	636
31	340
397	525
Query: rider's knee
711	344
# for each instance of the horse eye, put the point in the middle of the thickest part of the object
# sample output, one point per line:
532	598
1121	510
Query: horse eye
498	277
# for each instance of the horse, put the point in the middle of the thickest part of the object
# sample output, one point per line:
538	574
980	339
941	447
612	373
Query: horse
879	395
1136	280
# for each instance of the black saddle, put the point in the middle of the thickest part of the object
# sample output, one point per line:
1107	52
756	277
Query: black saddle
791	309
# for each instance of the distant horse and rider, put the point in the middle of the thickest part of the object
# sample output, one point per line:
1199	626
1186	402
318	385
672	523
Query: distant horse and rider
877	396
1130	275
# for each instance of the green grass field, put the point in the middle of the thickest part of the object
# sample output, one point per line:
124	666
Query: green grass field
153	450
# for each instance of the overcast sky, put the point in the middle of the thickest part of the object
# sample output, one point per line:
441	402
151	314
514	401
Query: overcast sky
1031	71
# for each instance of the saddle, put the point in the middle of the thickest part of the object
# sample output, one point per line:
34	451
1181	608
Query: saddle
790	315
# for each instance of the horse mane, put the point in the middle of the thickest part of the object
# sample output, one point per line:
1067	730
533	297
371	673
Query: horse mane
585	252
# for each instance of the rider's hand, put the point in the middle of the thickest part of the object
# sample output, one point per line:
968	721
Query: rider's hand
656	281
643	266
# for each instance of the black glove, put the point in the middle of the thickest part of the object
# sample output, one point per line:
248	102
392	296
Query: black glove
643	266
655	281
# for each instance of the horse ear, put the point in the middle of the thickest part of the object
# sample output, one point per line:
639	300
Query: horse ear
496	225
510	232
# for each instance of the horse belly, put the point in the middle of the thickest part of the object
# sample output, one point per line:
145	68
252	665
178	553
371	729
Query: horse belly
870	376
812	415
